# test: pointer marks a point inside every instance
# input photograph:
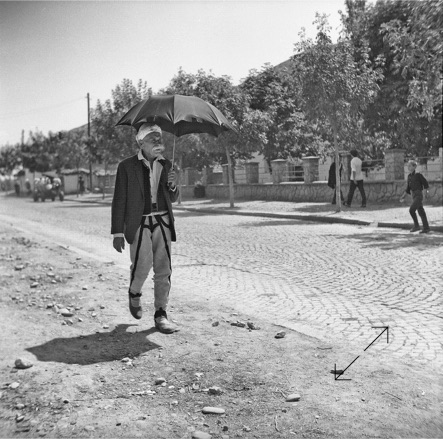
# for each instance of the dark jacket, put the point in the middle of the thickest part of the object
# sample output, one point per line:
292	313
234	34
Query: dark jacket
129	198
416	182
332	180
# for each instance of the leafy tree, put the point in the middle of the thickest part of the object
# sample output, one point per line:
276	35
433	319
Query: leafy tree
10	158
220	92
111	143
333	86
407	34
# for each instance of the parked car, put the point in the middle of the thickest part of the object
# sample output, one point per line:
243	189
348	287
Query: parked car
48	187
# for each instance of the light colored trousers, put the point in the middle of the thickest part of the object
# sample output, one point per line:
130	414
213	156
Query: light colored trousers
152	249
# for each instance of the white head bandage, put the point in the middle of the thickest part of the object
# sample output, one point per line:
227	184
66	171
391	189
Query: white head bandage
146	129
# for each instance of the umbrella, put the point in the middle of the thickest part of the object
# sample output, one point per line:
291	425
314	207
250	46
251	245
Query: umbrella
178	115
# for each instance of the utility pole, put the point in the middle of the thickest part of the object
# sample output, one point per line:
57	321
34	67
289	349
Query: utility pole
89	145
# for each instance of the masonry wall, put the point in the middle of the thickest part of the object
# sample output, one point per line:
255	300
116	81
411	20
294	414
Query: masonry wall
376	191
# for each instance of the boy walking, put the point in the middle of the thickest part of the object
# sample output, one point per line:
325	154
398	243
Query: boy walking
416	184
142	214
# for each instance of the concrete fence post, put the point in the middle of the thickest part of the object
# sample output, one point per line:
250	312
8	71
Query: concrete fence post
310	169
279	170
395	164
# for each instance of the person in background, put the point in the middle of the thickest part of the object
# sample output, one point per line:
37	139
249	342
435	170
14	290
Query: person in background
356	180
81	185
415	186
332	181
28	187
145	189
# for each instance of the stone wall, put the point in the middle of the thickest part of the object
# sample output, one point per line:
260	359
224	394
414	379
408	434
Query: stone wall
376	191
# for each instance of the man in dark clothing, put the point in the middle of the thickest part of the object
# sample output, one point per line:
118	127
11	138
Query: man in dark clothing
332	182
142	214
416	184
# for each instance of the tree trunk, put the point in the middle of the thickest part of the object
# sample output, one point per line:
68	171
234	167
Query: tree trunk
337	169
230	179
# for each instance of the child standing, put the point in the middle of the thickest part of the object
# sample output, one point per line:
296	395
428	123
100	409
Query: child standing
416	184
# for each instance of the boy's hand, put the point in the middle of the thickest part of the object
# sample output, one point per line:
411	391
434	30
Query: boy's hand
171	178
119	244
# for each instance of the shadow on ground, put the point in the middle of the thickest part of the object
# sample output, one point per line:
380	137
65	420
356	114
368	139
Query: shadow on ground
388	240
96	348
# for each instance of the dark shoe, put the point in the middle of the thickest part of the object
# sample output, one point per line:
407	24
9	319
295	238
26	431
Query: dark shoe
135	306
163	324
426	230
415	229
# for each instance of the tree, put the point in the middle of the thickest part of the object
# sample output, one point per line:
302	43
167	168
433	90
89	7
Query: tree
220	92
333	86
10	158
111	143
407	34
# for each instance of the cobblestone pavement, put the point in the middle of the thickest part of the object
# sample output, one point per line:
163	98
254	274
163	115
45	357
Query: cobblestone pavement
337	279
326	280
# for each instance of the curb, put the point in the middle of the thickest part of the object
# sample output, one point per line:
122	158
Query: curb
313	218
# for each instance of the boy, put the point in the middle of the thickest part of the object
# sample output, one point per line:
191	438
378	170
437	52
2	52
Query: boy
416	183
142	213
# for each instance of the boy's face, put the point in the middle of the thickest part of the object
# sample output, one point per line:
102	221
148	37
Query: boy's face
411	168
152	146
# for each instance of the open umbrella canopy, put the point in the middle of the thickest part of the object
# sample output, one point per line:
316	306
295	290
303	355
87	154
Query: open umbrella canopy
178	115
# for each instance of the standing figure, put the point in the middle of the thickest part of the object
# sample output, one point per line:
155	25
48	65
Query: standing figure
81	185
332	181
356	180
142	214
416	184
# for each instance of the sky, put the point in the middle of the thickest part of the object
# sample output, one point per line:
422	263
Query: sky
53	53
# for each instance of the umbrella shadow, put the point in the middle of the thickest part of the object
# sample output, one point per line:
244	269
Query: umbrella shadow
96	348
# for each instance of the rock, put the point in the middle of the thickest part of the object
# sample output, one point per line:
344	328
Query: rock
280	334
80	319
160	381
14	385
21	363
89	428
126	360
84	287
182	390
19	406
252	326
94	314
34	285
19	267
102	306
215	323
19	418
213	410
105	326
215	390
200	435
66	313
293	397
246	428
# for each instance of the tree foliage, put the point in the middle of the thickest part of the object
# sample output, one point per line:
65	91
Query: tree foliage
407	35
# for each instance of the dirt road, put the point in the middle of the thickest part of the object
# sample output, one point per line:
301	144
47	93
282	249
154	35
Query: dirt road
98	373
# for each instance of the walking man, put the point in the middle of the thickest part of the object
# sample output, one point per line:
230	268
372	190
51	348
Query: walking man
356	180
416	184
142	214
